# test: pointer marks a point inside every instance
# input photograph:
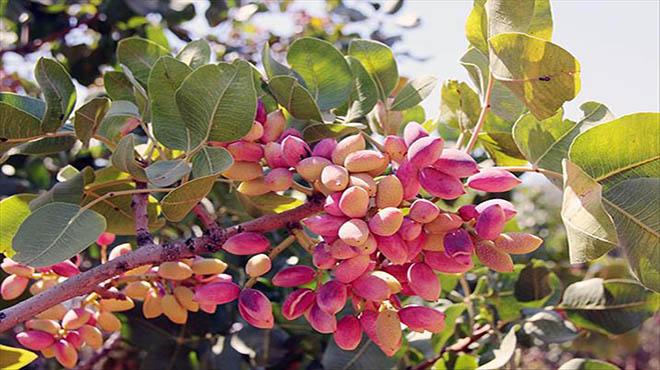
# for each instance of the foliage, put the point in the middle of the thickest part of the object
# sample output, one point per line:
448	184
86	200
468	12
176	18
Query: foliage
293	187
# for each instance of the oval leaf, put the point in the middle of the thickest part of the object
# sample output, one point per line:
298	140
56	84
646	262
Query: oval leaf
139	55
589	228
211	161
169	126
295	98
324	69
218	102
608	306
13	211
195	53
15	358
56	232
58	90
88	118
165	173
180	201
378	59
587	364
123	158
540	73
414	92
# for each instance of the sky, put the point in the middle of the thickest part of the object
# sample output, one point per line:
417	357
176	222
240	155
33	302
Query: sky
616	42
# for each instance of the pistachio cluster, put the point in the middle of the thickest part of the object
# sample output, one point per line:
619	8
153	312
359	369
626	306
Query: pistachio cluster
381	237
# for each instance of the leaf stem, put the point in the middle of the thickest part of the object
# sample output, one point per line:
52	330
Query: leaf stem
113	194
485	107
467	294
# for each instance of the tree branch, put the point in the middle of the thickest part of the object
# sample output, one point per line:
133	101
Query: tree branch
139	204
148	254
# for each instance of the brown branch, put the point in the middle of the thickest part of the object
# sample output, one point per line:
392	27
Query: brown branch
460	346
139	204
148	254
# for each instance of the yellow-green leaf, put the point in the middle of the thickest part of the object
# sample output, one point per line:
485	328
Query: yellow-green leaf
15	358
180	201
540	73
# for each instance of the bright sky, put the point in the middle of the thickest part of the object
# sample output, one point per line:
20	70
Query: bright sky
616	42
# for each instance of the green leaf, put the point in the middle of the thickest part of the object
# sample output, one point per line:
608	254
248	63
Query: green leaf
540	73
366	356
180	201
46	145
16	125
88	118
379	61
169	126
616	151
218	102
589	228
56	232
195	53
633	207
365	92
414	92
319	131
117	210
626	164
118	114
503	102
476	27
59	93
608	306
549	327
532	17
587	364
15	358
545	143
487	19
273	67
211	161
35	107
118	86
123	158
139	56
466	362
69	191
13	210
504	353
295	98
324	69
165	173
459	105
497	139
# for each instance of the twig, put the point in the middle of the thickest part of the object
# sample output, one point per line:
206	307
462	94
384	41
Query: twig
485	107
148	254
467	294
108	346
303	189
106	293
286	243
